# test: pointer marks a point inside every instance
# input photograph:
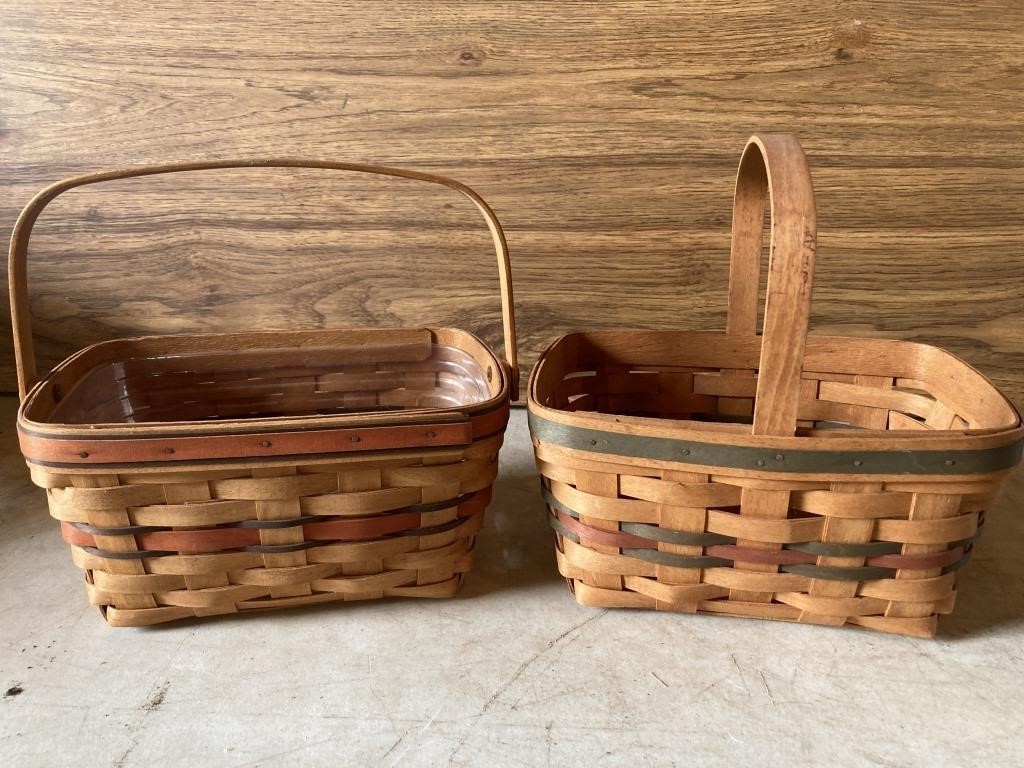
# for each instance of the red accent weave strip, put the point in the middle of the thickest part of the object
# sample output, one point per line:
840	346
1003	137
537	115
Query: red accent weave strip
216	539
604	538
751	555
766	556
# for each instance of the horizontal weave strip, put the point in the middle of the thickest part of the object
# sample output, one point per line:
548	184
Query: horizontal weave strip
480	497
643	530
269	548
724	555
164	543
639	532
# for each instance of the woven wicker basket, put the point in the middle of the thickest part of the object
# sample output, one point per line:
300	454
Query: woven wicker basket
816	479
216	473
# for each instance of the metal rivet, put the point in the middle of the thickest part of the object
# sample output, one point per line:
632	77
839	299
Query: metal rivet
857	462
84	454
686	451
760	462
431	434
593	442
168	450
355	438
264	444
950	462
779	457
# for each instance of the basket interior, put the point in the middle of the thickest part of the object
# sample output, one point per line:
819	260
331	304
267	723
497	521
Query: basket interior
342	377
867	384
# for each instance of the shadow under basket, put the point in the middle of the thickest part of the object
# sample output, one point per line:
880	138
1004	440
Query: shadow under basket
825	480
220	473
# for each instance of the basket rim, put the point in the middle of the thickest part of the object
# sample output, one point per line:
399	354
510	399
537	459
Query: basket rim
185	442
412	415
680	442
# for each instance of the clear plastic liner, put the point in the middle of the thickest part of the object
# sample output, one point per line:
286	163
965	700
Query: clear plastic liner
265	383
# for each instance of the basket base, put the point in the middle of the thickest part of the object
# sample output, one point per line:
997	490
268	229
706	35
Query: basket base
122	617
595	597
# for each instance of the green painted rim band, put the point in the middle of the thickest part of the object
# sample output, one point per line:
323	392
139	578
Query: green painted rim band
788	461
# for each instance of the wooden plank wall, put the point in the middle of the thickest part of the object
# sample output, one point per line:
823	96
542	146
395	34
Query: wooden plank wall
605	135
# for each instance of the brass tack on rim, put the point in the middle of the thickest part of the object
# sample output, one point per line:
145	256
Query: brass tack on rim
168	450
355	438
84	454
431	434
264	443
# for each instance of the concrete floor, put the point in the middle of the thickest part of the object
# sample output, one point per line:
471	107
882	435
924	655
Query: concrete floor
510	673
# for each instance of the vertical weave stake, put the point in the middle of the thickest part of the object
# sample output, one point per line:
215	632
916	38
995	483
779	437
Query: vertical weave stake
819	479
217	473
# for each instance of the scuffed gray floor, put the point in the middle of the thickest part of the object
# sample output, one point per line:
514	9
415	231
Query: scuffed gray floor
510	673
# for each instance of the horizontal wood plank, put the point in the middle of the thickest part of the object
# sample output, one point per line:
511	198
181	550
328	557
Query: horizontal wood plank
606	138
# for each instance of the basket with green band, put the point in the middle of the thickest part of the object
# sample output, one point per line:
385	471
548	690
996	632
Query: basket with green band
819	479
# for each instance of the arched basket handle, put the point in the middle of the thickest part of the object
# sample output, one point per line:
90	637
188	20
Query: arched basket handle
774	163
21	316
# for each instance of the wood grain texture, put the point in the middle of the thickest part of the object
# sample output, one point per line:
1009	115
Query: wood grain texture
606	140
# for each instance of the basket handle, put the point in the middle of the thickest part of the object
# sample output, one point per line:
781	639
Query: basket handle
21	317
774	163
